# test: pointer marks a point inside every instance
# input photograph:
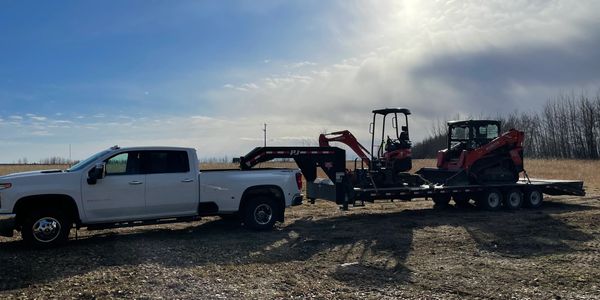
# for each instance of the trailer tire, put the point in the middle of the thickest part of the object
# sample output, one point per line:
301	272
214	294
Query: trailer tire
461	200
533	198
513	199
441	201
261	213
490	200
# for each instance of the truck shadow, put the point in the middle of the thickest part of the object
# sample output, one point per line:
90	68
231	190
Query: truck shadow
362	248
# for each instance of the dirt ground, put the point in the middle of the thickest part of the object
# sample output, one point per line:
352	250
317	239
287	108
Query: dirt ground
384	250
380	251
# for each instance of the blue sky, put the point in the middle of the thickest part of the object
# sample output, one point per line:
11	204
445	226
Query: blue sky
87	57
207	74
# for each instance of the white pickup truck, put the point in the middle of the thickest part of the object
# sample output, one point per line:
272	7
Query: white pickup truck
139	186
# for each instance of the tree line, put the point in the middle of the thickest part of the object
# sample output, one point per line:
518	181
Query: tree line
54	160
568	126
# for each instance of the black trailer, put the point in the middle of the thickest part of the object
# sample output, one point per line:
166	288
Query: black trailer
338	187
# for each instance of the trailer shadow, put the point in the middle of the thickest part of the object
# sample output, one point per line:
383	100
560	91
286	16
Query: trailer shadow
363	248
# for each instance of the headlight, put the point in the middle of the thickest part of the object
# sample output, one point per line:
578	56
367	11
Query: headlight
4	186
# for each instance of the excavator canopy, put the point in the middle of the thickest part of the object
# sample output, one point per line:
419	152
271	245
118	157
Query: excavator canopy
385	111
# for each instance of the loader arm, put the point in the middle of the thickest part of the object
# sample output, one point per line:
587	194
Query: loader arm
513	139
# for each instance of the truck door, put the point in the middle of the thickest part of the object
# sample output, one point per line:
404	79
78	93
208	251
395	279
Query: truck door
171	186
120	195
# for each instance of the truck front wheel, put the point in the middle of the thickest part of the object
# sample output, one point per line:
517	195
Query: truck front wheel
261	213
45	228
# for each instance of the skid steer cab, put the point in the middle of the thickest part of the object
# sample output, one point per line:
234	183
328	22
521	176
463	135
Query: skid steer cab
477	154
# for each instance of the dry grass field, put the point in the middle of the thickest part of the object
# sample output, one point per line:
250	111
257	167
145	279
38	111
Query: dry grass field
380	251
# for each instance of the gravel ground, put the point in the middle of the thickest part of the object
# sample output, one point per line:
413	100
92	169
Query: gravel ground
380	251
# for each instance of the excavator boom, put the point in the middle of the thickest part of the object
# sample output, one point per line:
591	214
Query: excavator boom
346	137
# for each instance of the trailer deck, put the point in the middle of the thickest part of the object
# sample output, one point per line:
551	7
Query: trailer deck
338	186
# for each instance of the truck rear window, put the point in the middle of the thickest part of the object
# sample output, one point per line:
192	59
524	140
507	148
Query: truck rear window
165	161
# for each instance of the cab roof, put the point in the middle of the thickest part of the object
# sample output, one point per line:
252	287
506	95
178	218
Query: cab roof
473	122
385	111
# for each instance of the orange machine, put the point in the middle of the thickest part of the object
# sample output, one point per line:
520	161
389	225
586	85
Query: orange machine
476	153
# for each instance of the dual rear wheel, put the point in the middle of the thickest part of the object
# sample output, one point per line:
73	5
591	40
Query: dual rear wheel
261	213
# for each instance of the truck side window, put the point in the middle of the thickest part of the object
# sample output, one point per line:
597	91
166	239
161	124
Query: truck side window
126	163
167	161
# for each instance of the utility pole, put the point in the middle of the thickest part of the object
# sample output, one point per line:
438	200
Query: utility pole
265	134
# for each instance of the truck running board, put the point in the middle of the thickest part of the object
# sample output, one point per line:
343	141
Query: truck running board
101	226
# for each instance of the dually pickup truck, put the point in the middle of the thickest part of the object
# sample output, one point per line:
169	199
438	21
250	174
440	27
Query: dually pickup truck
139	186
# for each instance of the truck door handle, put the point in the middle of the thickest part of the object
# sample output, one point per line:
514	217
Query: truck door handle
188	180
135	182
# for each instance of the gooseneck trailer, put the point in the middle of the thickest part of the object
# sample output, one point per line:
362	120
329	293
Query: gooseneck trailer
339	187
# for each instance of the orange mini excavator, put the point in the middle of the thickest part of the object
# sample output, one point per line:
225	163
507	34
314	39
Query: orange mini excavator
389	159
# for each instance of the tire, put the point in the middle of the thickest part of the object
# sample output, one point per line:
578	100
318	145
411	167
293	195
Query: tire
441	201
461	200
533	198
490	200
260	213
513	199
46	228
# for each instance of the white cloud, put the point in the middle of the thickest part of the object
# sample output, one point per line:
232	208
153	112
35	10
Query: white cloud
301	64
439	59
41	133
401	46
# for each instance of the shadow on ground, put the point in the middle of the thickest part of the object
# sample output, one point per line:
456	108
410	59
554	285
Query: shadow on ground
365	246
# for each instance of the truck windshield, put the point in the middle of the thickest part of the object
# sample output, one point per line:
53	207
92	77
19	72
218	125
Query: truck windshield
86	162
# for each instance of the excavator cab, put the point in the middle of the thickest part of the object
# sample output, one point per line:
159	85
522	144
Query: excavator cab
393	151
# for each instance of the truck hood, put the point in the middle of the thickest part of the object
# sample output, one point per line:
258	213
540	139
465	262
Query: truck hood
31	174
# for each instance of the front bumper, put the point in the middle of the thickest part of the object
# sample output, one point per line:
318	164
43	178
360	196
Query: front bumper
297	200
7	224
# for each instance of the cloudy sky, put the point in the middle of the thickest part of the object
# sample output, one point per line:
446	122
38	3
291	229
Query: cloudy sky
208	74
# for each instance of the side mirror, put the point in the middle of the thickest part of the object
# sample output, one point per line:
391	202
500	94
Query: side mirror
96	173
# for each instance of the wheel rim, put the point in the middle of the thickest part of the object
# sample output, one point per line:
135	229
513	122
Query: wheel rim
493	200
46	229
263	214
514	199
534	198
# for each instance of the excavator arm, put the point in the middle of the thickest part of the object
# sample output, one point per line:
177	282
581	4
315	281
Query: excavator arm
346	137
